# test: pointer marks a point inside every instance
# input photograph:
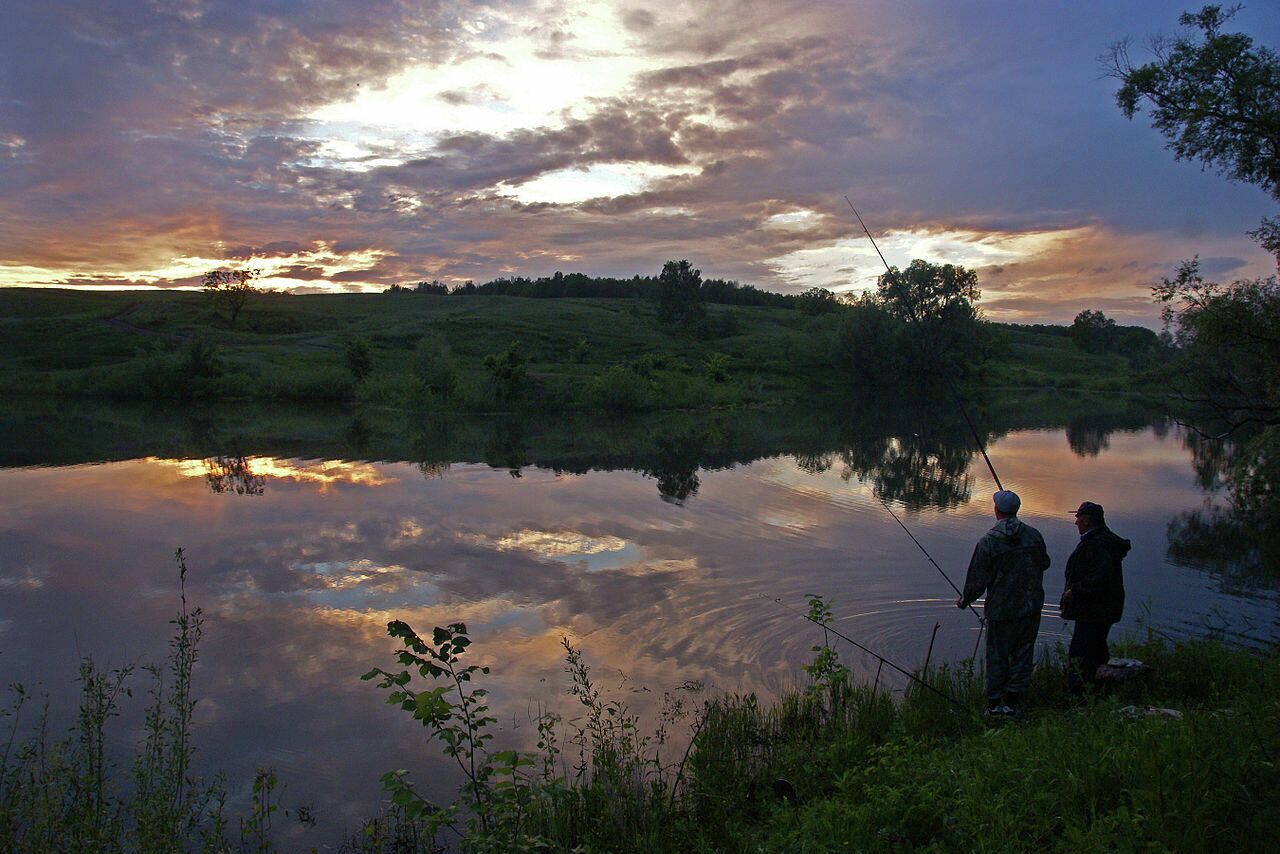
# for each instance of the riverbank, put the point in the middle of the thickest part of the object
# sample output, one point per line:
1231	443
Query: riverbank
833	766
472	353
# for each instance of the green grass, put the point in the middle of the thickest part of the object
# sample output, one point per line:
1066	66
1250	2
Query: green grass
132	345
835	766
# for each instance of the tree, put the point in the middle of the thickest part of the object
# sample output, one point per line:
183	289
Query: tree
229	290
936	302
678	286
508	372
1230	335
817	301
359	358
1093	331
1215	97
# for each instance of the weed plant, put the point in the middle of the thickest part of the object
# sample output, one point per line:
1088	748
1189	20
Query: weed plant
65	794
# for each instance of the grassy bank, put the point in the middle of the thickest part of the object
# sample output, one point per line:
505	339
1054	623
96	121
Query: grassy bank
845	767
834	766
455	353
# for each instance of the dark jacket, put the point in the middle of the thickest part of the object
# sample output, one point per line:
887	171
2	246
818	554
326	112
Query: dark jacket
1008	565
1095	582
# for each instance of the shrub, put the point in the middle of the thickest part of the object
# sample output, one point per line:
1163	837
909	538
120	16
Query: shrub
433	366
358	357
508	372
621	390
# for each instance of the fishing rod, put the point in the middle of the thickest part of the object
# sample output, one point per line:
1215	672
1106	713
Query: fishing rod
982	448
925	551
976	438
872	653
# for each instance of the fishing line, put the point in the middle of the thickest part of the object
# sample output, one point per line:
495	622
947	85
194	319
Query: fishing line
920	546
964	414
872	653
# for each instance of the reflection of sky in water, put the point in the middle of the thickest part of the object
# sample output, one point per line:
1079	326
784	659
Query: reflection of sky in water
299	581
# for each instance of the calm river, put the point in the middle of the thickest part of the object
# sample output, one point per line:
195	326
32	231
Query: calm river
654	545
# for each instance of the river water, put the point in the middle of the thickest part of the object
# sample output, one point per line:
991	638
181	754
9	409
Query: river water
656	546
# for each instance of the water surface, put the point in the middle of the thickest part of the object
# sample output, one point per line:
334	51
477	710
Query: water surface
656	545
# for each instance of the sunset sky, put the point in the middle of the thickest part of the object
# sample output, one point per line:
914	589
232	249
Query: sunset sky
351	145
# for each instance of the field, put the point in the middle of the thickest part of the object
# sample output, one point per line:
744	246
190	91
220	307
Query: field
431	351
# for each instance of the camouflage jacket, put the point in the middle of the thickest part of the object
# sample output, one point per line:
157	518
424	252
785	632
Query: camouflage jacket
1008	565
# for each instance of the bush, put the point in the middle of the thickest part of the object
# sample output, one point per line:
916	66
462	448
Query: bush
508	372
433	366
358	357
619	389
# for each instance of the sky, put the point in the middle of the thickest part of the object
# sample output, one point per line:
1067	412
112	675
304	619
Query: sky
343	146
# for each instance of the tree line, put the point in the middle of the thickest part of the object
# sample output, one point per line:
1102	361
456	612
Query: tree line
580	285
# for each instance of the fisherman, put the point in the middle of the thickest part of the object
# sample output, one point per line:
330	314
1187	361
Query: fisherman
1093	595
1008	565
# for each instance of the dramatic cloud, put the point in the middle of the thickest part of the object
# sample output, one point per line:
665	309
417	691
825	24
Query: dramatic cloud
350	146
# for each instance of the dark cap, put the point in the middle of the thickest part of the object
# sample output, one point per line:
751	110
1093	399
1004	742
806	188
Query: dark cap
1088	508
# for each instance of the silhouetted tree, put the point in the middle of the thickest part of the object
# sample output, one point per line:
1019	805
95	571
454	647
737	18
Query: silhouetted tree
817	301
678	287
229	290
1093	331
936	303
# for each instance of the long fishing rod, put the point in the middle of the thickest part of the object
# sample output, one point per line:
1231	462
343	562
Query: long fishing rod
976	438
951	386
872	653
925	551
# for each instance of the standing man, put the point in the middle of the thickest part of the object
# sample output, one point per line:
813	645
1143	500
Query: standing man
1094	594
1008	565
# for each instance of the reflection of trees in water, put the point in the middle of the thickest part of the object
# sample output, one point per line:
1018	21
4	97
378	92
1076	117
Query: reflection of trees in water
920	471
506	447
1090	434
232	474
913	450
677	463
1240	541
1087	440
813	463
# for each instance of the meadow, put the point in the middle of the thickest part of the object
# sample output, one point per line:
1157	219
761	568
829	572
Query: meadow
477	353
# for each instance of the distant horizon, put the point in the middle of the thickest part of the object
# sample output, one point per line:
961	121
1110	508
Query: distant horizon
351	147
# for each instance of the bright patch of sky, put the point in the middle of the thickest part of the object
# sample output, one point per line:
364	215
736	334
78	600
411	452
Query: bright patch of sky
791	219
852	264
602	180
322	258
519	71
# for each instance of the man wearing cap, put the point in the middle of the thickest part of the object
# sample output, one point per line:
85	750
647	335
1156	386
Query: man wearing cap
1093	595
1008	565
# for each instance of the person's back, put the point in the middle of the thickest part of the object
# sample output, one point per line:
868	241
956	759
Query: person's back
1018	559
1008	566
1095	576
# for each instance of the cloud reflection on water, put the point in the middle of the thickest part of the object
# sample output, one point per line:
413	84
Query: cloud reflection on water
300	580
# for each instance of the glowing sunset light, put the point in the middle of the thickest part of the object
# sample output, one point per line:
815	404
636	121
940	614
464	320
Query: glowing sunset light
341	149
604	180
321	473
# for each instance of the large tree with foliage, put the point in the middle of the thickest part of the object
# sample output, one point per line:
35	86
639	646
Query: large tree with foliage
938	304
1216	98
